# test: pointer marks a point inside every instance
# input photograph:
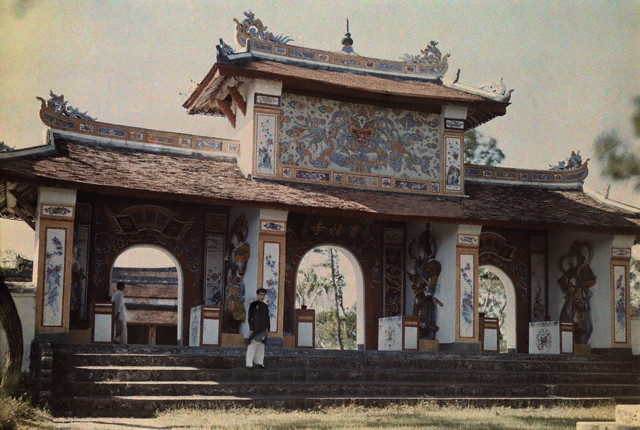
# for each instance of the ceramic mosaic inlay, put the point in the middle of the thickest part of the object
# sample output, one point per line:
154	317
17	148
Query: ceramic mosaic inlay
467	293
361	139
538	287
454	164
214	270
79	272
265	143
270	274
620	303
54	276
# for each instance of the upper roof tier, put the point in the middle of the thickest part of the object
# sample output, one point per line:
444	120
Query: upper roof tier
415	83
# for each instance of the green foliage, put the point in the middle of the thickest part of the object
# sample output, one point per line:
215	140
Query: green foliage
320	285
481	151
492	299
620	159
327	330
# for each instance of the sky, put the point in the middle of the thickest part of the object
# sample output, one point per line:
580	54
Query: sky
574	65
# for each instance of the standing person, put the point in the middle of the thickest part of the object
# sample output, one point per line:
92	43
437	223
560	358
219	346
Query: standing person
120	314
259	326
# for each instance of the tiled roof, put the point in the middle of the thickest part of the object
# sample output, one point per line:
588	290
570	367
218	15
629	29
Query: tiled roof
397	92
208	180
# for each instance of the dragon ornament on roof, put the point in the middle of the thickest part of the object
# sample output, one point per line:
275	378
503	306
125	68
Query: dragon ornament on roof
431	57
253	28
58	105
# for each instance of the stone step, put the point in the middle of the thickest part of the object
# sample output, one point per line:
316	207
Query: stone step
359	388
476	362
114	380
147	406
187	373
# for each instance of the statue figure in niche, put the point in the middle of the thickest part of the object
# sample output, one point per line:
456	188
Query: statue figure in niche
575	283
424	274
239	252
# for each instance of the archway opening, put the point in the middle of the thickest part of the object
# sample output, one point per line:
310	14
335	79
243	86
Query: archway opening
496	298
153	294
330	281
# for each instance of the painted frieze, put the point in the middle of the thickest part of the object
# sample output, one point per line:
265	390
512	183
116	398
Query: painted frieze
363	145
54	263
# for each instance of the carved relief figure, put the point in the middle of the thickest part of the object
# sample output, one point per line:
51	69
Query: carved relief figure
239	252
575	283
424	274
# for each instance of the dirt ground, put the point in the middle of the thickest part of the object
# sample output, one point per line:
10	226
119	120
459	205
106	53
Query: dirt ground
113	424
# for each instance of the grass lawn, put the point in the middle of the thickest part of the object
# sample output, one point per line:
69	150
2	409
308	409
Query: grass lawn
424	416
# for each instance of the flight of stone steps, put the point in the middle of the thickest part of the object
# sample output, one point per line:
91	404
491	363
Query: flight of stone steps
138	380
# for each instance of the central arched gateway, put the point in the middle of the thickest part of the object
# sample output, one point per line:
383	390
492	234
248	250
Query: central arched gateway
154	293
348	268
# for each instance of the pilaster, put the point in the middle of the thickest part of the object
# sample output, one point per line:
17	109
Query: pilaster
54	249
467	319
271	264
620	291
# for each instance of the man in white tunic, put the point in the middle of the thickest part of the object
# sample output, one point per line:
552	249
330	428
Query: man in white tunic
120	314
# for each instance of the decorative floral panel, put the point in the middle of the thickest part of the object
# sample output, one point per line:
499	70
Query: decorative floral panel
467	295
620	303
265	143
367	144
270	276
214	270
454	164
55	240
79	273
538	287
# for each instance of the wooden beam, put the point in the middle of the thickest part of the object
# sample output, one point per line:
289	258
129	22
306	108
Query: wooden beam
237	97
225	106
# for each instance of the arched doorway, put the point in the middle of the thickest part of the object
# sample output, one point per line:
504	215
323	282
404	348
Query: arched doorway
497	298
153	295
329	279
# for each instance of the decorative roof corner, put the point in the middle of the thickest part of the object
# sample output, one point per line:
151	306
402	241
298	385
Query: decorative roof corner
497	91
253	28
430	58
58	105
573	162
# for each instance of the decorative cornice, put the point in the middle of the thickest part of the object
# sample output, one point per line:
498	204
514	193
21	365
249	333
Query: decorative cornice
567	179
52	117
497	91
251	33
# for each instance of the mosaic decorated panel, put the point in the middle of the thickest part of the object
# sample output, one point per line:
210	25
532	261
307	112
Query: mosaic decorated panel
214	270
270	279
265	143
359	145
54	263
467	296
538	287
79	306
620	303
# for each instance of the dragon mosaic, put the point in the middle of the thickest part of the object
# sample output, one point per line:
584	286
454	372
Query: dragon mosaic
357	138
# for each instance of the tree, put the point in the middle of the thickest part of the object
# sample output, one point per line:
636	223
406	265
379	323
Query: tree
620	159
481	151
492	298
10	323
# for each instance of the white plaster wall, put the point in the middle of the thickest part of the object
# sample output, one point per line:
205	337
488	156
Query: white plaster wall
245	123
251	274
24	299
445	237
558	245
